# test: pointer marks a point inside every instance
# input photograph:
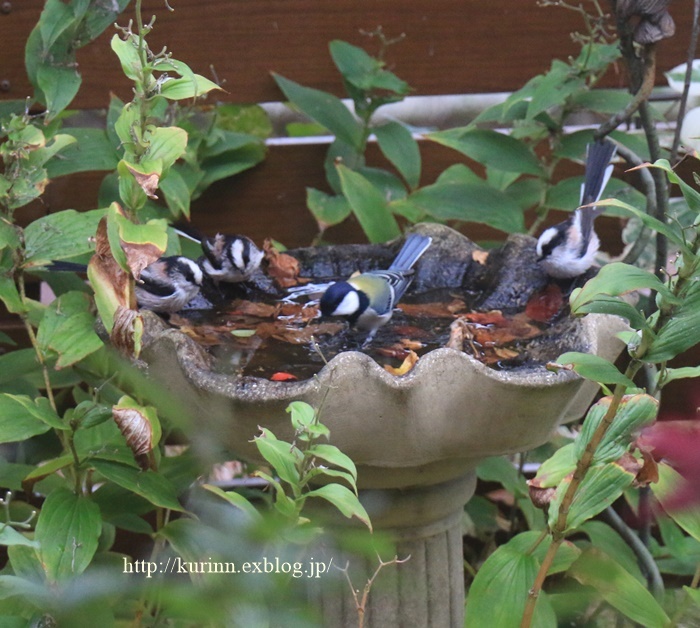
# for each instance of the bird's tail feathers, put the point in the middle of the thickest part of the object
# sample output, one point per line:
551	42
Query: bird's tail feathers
414	246
71	267
598	172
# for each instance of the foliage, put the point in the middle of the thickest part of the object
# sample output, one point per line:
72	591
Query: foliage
511	173
90	434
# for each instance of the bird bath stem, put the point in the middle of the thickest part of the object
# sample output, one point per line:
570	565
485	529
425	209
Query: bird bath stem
416	439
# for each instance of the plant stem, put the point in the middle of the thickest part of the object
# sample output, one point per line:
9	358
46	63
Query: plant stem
582	466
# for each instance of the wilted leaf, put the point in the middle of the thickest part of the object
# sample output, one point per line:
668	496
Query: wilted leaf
283	268
409	362
140	427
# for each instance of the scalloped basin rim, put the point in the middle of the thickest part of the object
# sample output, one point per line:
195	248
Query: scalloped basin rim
195	362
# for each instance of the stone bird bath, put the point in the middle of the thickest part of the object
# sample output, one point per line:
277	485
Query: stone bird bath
416	439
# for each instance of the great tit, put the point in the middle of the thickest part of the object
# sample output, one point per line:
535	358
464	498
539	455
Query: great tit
568	249
367	300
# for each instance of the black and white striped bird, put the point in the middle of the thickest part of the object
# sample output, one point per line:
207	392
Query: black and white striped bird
568	249
168	284
230	258
164	286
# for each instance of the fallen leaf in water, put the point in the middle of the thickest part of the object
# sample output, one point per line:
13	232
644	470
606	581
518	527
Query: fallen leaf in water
396	351
254	308
297	335
281	376
494	317
545	304
282	268
298	312
414	345
505	354
480	257
408	363
428	310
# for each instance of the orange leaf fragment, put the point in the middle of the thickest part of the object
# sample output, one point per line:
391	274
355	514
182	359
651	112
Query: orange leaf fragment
406	366
281	376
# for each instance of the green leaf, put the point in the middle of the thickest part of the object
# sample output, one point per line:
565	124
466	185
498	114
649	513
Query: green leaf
344	500
553	470
10	536
595	368
363	71
490	148
607	540
176	193
22	417
469	202
530	543
237	501
92	150
651	222
681	332
325	109
670	482
334	456
183	88
165	146
500	589
690	194
148	484
64	235
67	329
327	210
68	530
10	296
302	414
601	486
399	147
606	101
283	504
604	304
368	204
60	84
616	279
633	413
47	468
671	374
128	54
281	455
618	588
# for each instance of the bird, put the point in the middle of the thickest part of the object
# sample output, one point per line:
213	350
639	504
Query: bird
367	300
164	286
567	250
227	258
168	284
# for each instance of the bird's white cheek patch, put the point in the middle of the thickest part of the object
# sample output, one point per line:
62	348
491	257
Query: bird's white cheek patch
349	305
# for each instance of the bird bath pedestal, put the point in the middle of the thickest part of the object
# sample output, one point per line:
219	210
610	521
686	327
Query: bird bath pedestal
416	439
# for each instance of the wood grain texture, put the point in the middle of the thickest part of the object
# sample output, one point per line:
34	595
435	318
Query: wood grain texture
451	46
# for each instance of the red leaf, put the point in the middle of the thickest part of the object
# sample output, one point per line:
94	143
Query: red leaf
281	376
545	304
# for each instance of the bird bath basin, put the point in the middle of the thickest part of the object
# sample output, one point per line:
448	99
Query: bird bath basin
416	439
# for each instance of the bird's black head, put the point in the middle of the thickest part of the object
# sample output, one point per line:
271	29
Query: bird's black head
343	299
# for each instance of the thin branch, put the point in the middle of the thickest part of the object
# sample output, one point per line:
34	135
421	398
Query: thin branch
649	184
640	97
692	47
644	557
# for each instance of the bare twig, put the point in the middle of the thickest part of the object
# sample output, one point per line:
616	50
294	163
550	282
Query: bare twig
644	557
361	600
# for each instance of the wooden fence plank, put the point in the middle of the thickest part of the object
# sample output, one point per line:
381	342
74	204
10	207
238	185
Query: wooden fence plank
451	46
